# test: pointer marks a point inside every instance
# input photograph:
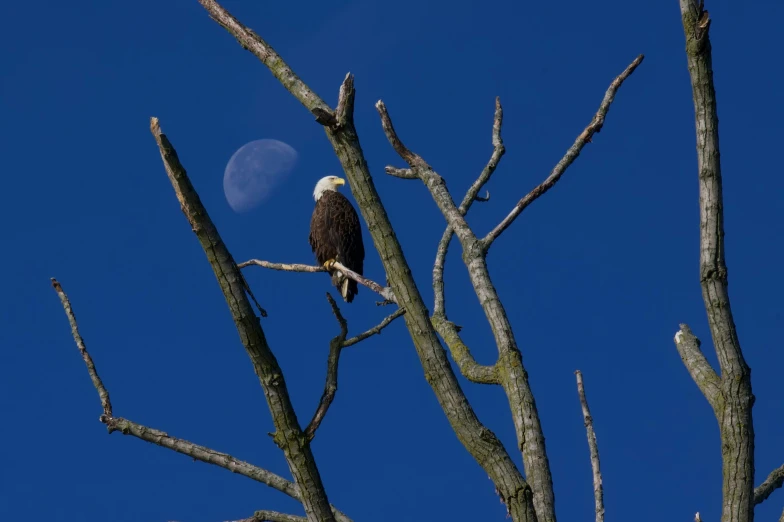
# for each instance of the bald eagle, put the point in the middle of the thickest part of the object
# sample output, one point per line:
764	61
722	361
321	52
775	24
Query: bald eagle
336	234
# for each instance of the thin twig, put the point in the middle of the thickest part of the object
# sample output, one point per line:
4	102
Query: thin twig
465	205
781	518
697	517
331	386
483	199
598	489
103	394
383	291
336	346
774	481
262	311
574	151
376	330
412	159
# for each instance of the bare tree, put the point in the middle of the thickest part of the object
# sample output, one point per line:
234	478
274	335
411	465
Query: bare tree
528	495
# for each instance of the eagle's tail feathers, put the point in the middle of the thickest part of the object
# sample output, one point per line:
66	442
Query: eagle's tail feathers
344	289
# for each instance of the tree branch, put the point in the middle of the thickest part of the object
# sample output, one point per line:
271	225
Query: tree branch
252	42
103	394
509	368
736	423
288	434
272	516
469	367
699	368
383	291
468	201
483	445
336	346
432	180
598	490
282	266
571	155
774	481
376	330
471	370
160	438
331	386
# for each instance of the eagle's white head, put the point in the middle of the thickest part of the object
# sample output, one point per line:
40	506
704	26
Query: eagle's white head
327	183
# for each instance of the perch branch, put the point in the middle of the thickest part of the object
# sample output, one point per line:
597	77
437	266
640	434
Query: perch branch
468	200
282	266
585	137
383	291
774	481
481	442
598	490
160	438
103	394
736	423
699	368
781	518
331	386
288	434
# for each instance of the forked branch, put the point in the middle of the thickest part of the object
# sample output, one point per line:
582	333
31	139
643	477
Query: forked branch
336	346
585	137
509	367
439	307
598	489
509	370
483	445
160	438
734	410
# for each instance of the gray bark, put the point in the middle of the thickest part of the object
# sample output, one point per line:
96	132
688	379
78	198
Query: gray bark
730	395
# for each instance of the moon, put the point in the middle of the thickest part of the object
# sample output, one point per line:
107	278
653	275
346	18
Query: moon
255	170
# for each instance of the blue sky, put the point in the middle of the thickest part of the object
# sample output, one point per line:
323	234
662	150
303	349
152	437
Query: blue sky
596	275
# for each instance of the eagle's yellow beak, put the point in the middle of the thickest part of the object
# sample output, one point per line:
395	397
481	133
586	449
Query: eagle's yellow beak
340	181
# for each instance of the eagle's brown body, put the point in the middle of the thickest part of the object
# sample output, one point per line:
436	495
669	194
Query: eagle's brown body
336	235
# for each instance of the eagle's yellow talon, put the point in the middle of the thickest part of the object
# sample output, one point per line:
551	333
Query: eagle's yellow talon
328	264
